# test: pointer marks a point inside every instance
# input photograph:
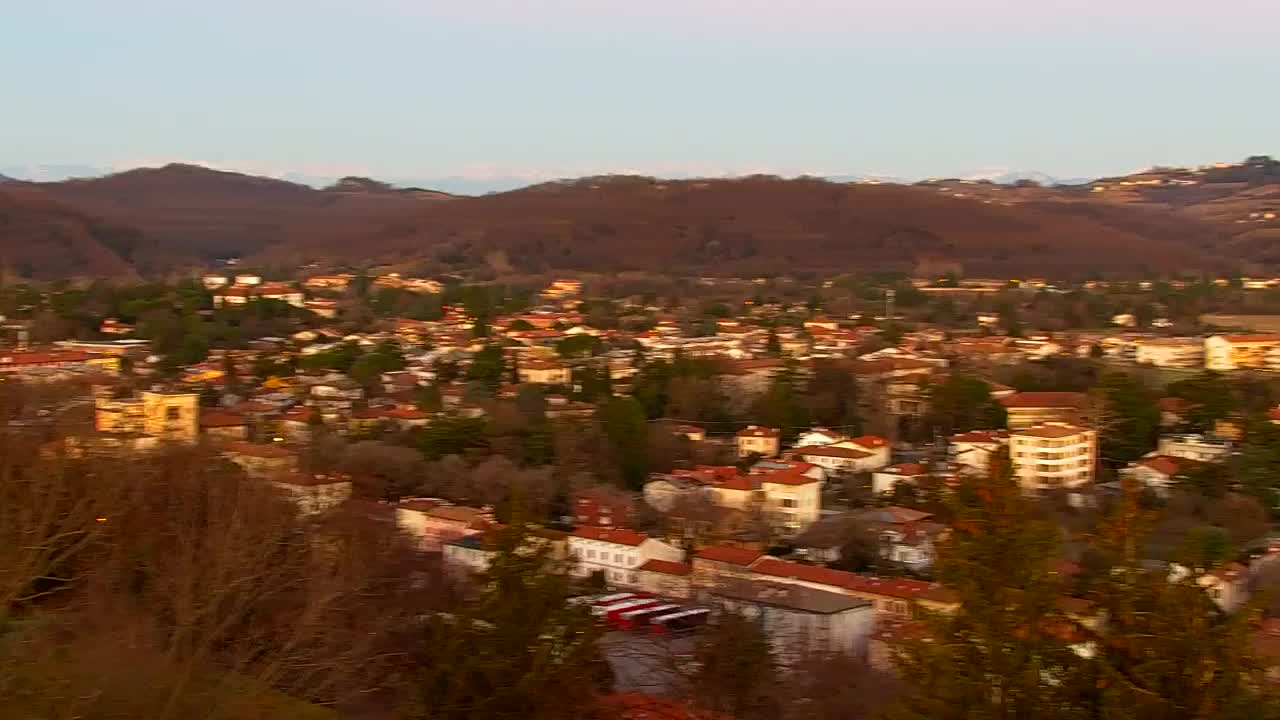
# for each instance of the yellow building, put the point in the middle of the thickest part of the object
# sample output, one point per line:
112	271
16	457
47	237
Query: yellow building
158	414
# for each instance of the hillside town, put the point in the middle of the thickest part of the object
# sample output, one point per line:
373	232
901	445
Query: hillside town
761	456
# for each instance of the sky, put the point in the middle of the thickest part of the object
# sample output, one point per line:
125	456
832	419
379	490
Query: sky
487	90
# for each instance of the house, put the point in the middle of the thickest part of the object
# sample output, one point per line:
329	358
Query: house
474	552
431	523
757	440
160	414
715	563
597	508
973	450
1238	352
213	282
262	459
543	372
792	496
836	458
1171	353
692	433
55	365
1227	584
889	596
663	491
665	578
224	425
616	553
1173	411
314	493
1195	446
1053	455
800	621
906	536
1158	472
323	307
820	436
296	424
1026	409
886	479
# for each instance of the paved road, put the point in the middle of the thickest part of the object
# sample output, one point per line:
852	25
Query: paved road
642	662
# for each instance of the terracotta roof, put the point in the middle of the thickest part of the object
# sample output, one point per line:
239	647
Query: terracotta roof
300	414
1045	400
981	436
220	419
1173	404
744	483
312	480
830	451
728	554
420	504
1050	430
620	536
869	441
790	476
900	588
906	469
456	513
1164	464
757	431
1245	339
258	450
666	567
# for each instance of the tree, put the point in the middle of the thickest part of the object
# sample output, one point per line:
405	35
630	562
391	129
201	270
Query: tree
519	651
998	654
488	365
962	403
832	397
1130	418
735	670
1165	650
628	431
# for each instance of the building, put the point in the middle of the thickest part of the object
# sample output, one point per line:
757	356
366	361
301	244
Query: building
1053	455
431	523
886	479
158	414
757	440
474	552
543	372
1195	446
616	553
792	496
860	454
596	507
973	450
665	578
265	460
1158	472
906	536
1026	409
801	621
1238	352
323	307
224	425
1171	353
715	563
820	436
314	494
213	282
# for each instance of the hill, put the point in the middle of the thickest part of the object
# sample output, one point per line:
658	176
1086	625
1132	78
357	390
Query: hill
764	224
157	219
43	239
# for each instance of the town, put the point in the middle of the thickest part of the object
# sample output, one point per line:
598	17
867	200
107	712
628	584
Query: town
780	447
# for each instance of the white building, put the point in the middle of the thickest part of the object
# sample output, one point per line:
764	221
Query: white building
1171	353
860	454
793	497
314	493
1238	352
820	436
1053	455
213	282
886	479
801	621
1194	446
616	553
973	450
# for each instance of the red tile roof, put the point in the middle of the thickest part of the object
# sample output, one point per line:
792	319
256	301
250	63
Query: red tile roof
666	567
620	536
728	554
869	441
757	431
981	436
906	469
899	588
830	451
220	419
1045	400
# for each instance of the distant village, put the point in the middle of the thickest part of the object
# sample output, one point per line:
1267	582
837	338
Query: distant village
754	515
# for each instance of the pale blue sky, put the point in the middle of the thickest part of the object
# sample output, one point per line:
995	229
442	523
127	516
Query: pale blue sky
551	88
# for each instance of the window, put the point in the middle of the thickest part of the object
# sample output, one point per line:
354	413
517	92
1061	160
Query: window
788	502
617	558
173	413
591	554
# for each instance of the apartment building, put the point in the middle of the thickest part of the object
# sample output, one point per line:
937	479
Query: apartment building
1238	352
1171	353
1053	455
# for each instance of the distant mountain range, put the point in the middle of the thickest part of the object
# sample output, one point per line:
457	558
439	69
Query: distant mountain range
463	185
151	222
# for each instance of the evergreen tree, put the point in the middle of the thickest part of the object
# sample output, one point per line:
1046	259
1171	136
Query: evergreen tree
1162	648
1001	653
962	403
518	652
1130	418
628	432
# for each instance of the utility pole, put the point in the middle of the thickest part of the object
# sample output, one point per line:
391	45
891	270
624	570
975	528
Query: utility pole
888	304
